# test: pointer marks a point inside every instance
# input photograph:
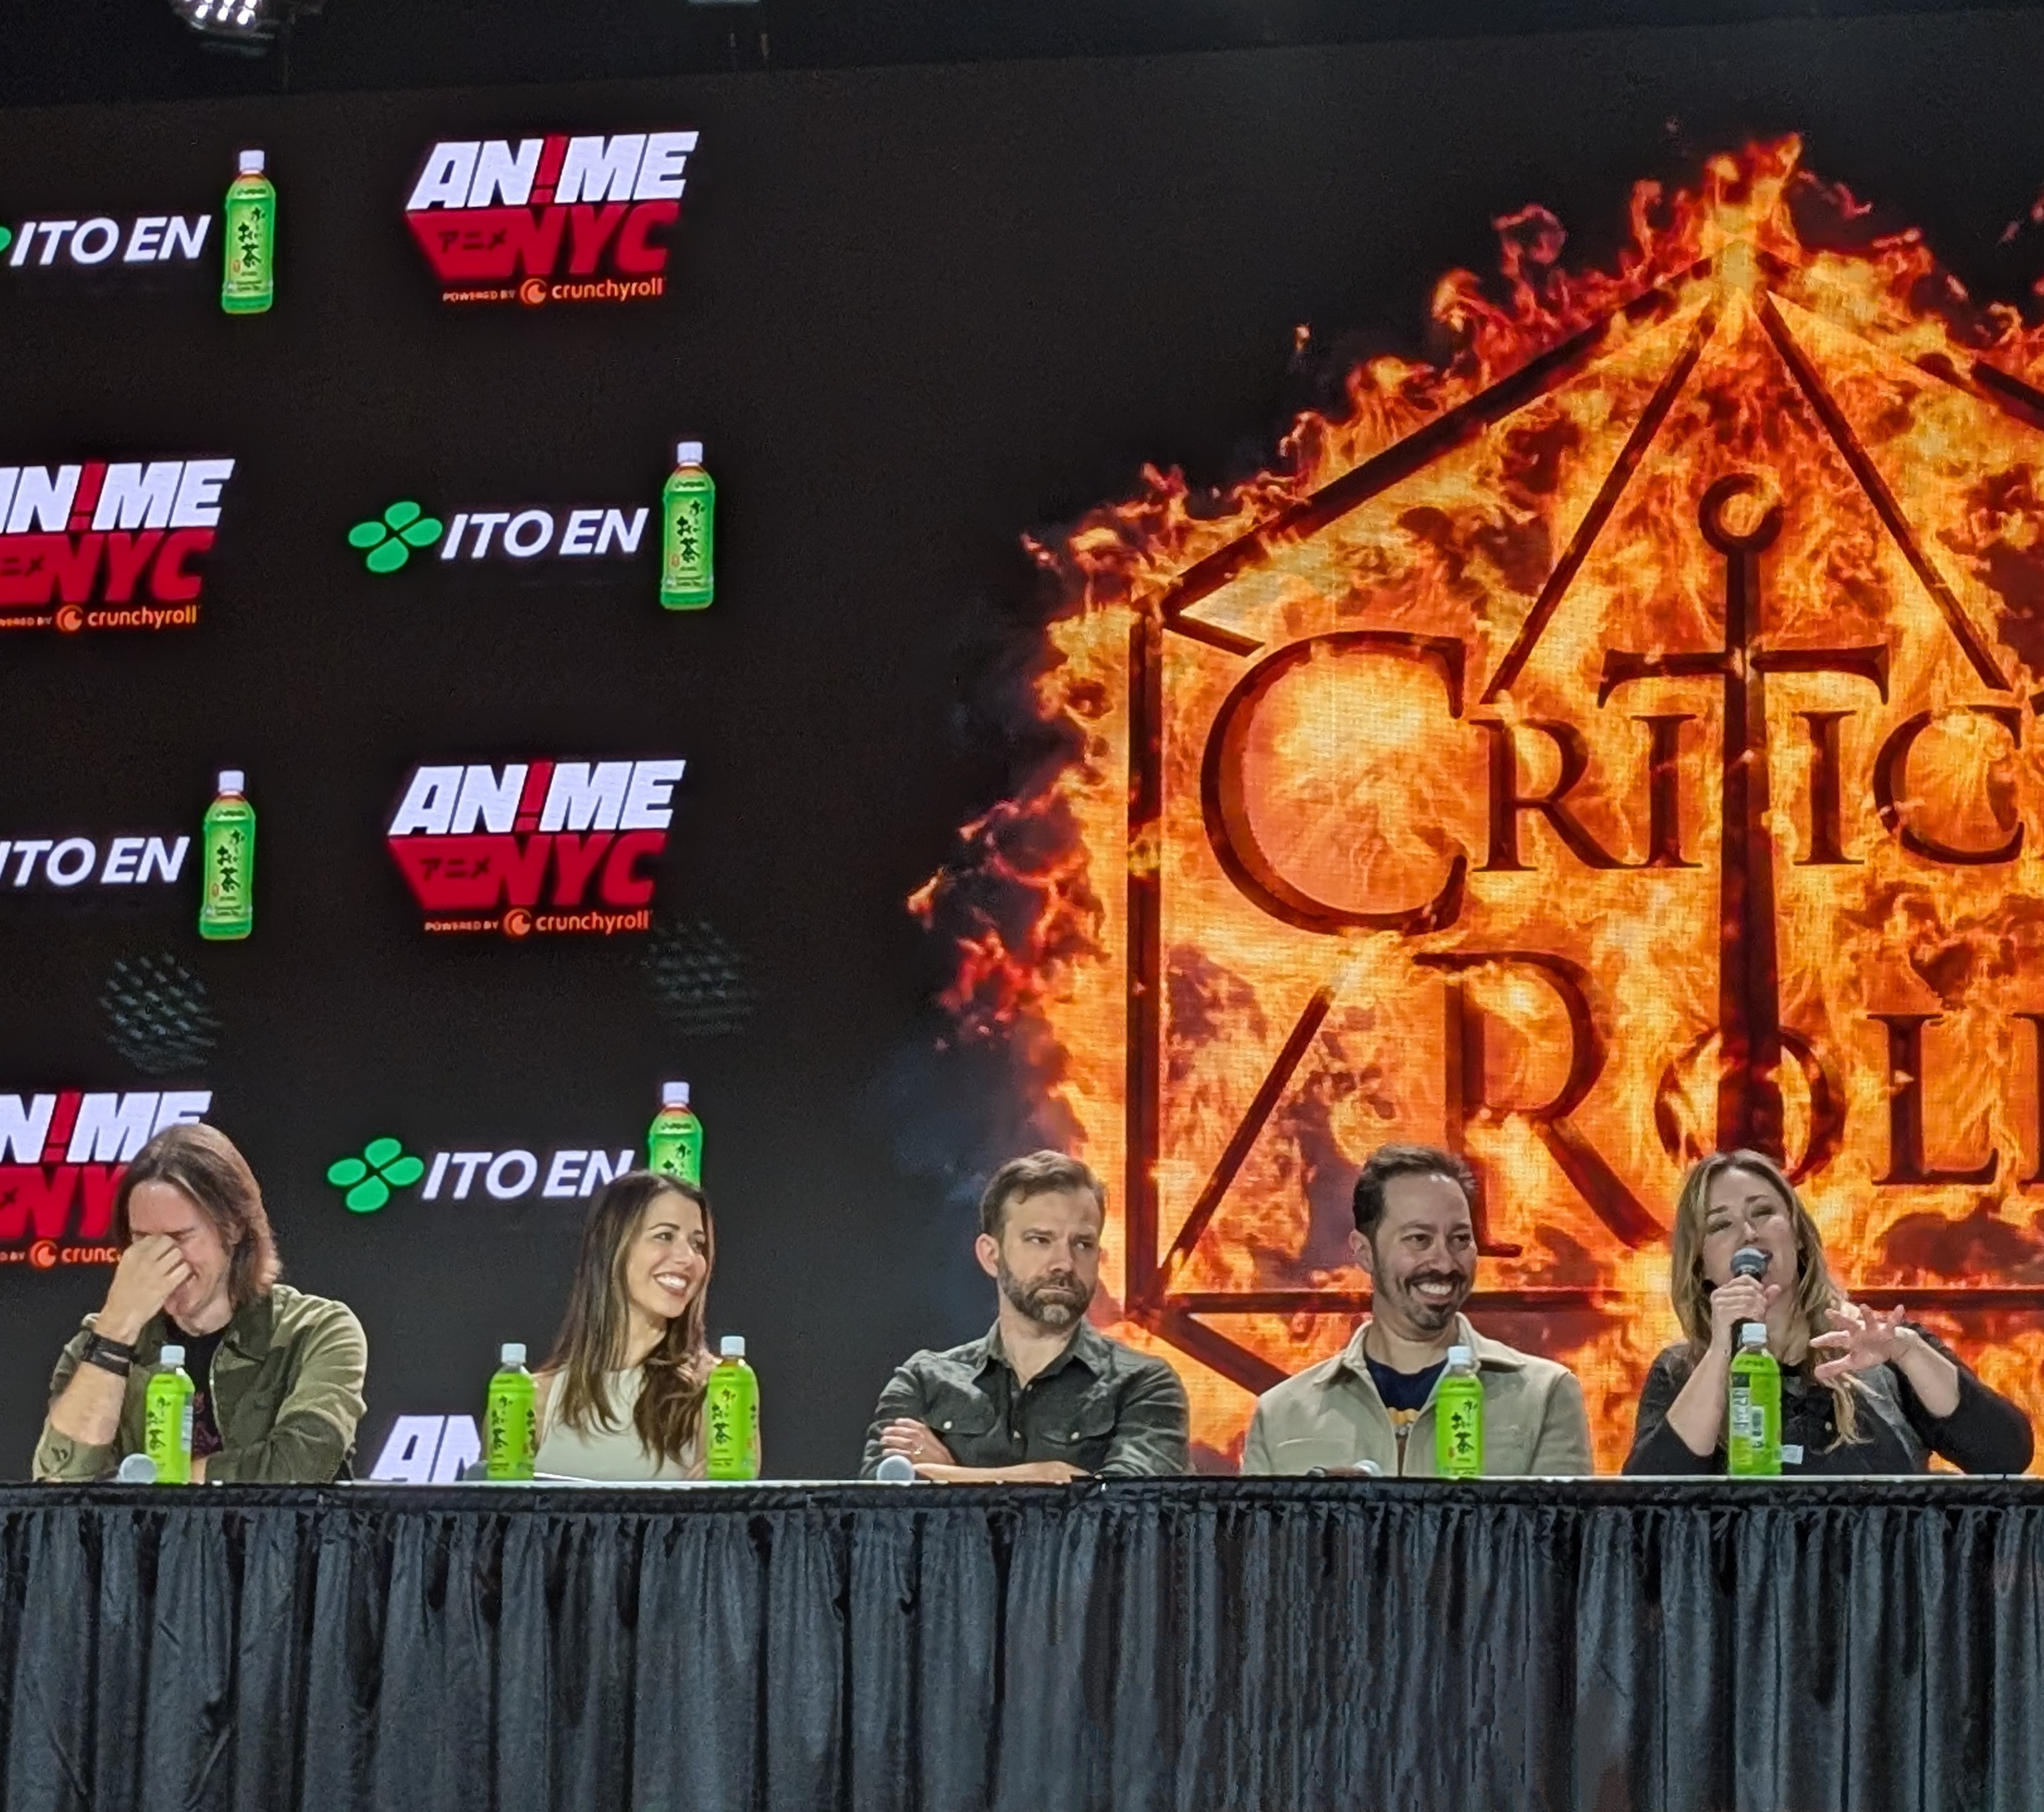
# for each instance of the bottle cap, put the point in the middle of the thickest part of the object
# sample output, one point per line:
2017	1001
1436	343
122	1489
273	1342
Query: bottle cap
250	163
233	780
689	453
1753	1334
513	1353
674	1094
1460	1356
732	1346
171	1356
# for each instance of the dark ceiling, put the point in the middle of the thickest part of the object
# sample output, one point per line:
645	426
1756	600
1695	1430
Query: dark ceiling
58	50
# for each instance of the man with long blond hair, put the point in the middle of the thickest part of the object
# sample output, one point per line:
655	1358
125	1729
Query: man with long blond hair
1863	1390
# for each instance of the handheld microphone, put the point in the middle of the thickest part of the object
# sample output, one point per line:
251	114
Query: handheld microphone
1749	1261
896	1469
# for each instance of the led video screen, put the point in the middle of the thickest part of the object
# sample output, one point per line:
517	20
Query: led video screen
1216	613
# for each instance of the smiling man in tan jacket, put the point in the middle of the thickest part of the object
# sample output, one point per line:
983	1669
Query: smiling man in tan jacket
1373	1402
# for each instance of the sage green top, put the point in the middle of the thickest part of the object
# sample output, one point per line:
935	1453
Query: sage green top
611	1451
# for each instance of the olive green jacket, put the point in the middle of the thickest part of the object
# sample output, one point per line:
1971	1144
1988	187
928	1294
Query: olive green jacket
1535	1423
286	1389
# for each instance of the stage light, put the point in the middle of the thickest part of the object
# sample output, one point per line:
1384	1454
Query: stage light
249	26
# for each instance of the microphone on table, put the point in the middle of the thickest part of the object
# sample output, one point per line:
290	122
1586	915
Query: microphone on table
137	1469
1749	1261
896	1469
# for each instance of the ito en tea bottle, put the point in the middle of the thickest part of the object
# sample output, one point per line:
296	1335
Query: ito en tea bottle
1458	1418
1753	1442
227	871
249	236
731	1414
166	1418
675	1141
688	532
510	1420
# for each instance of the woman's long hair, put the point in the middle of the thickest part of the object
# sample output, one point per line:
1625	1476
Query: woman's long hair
591	1343
1815	1294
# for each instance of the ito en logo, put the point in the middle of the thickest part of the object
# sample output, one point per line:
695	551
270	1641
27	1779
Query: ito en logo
366	1181
387	541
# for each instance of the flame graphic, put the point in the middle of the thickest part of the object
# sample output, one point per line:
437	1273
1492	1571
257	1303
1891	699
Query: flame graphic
1614	741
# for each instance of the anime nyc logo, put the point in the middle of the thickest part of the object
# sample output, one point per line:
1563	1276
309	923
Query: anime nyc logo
107	544
62	1155
1619	743
544	846
557	219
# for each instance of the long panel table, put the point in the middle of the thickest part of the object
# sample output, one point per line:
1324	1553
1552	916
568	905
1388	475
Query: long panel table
1202	1645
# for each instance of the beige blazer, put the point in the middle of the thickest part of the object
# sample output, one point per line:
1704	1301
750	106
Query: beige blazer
1534	1421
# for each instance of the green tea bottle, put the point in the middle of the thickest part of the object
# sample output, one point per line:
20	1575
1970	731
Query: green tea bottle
247	283
227	872
166	1418
731	1414
688	532
1458	1418
1753	1445
510	1420
675	1141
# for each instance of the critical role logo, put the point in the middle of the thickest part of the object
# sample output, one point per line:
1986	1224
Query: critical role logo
514	538
62	1154
551	219
107	545
540	846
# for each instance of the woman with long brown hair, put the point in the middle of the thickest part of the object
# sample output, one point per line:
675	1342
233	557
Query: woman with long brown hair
1863	1390
620	1396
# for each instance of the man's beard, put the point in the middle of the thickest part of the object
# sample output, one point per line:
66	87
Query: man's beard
1055	1300
1422	1312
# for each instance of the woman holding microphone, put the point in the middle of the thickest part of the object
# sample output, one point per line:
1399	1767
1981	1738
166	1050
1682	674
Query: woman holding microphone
1863	1390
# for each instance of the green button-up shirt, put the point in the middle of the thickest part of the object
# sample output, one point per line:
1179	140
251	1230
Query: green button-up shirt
286	1389
1104	1407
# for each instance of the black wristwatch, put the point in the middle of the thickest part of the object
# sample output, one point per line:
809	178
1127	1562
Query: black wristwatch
113	1355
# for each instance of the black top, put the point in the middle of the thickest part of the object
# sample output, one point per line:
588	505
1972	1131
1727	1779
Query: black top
1102	1406
199	1350
1404	1390
1986	1433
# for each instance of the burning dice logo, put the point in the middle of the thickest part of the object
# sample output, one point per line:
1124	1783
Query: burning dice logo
1614	745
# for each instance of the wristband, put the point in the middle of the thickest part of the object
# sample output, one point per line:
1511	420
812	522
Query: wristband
109	1355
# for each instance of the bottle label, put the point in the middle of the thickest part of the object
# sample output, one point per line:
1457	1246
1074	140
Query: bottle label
248	244
227	869
676	1151
731	1412
685	563
1461	1455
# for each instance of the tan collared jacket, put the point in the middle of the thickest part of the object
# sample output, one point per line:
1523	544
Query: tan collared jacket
1535	1423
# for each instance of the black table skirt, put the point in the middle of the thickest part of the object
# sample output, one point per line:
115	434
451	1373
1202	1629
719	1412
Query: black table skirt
1275	1645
